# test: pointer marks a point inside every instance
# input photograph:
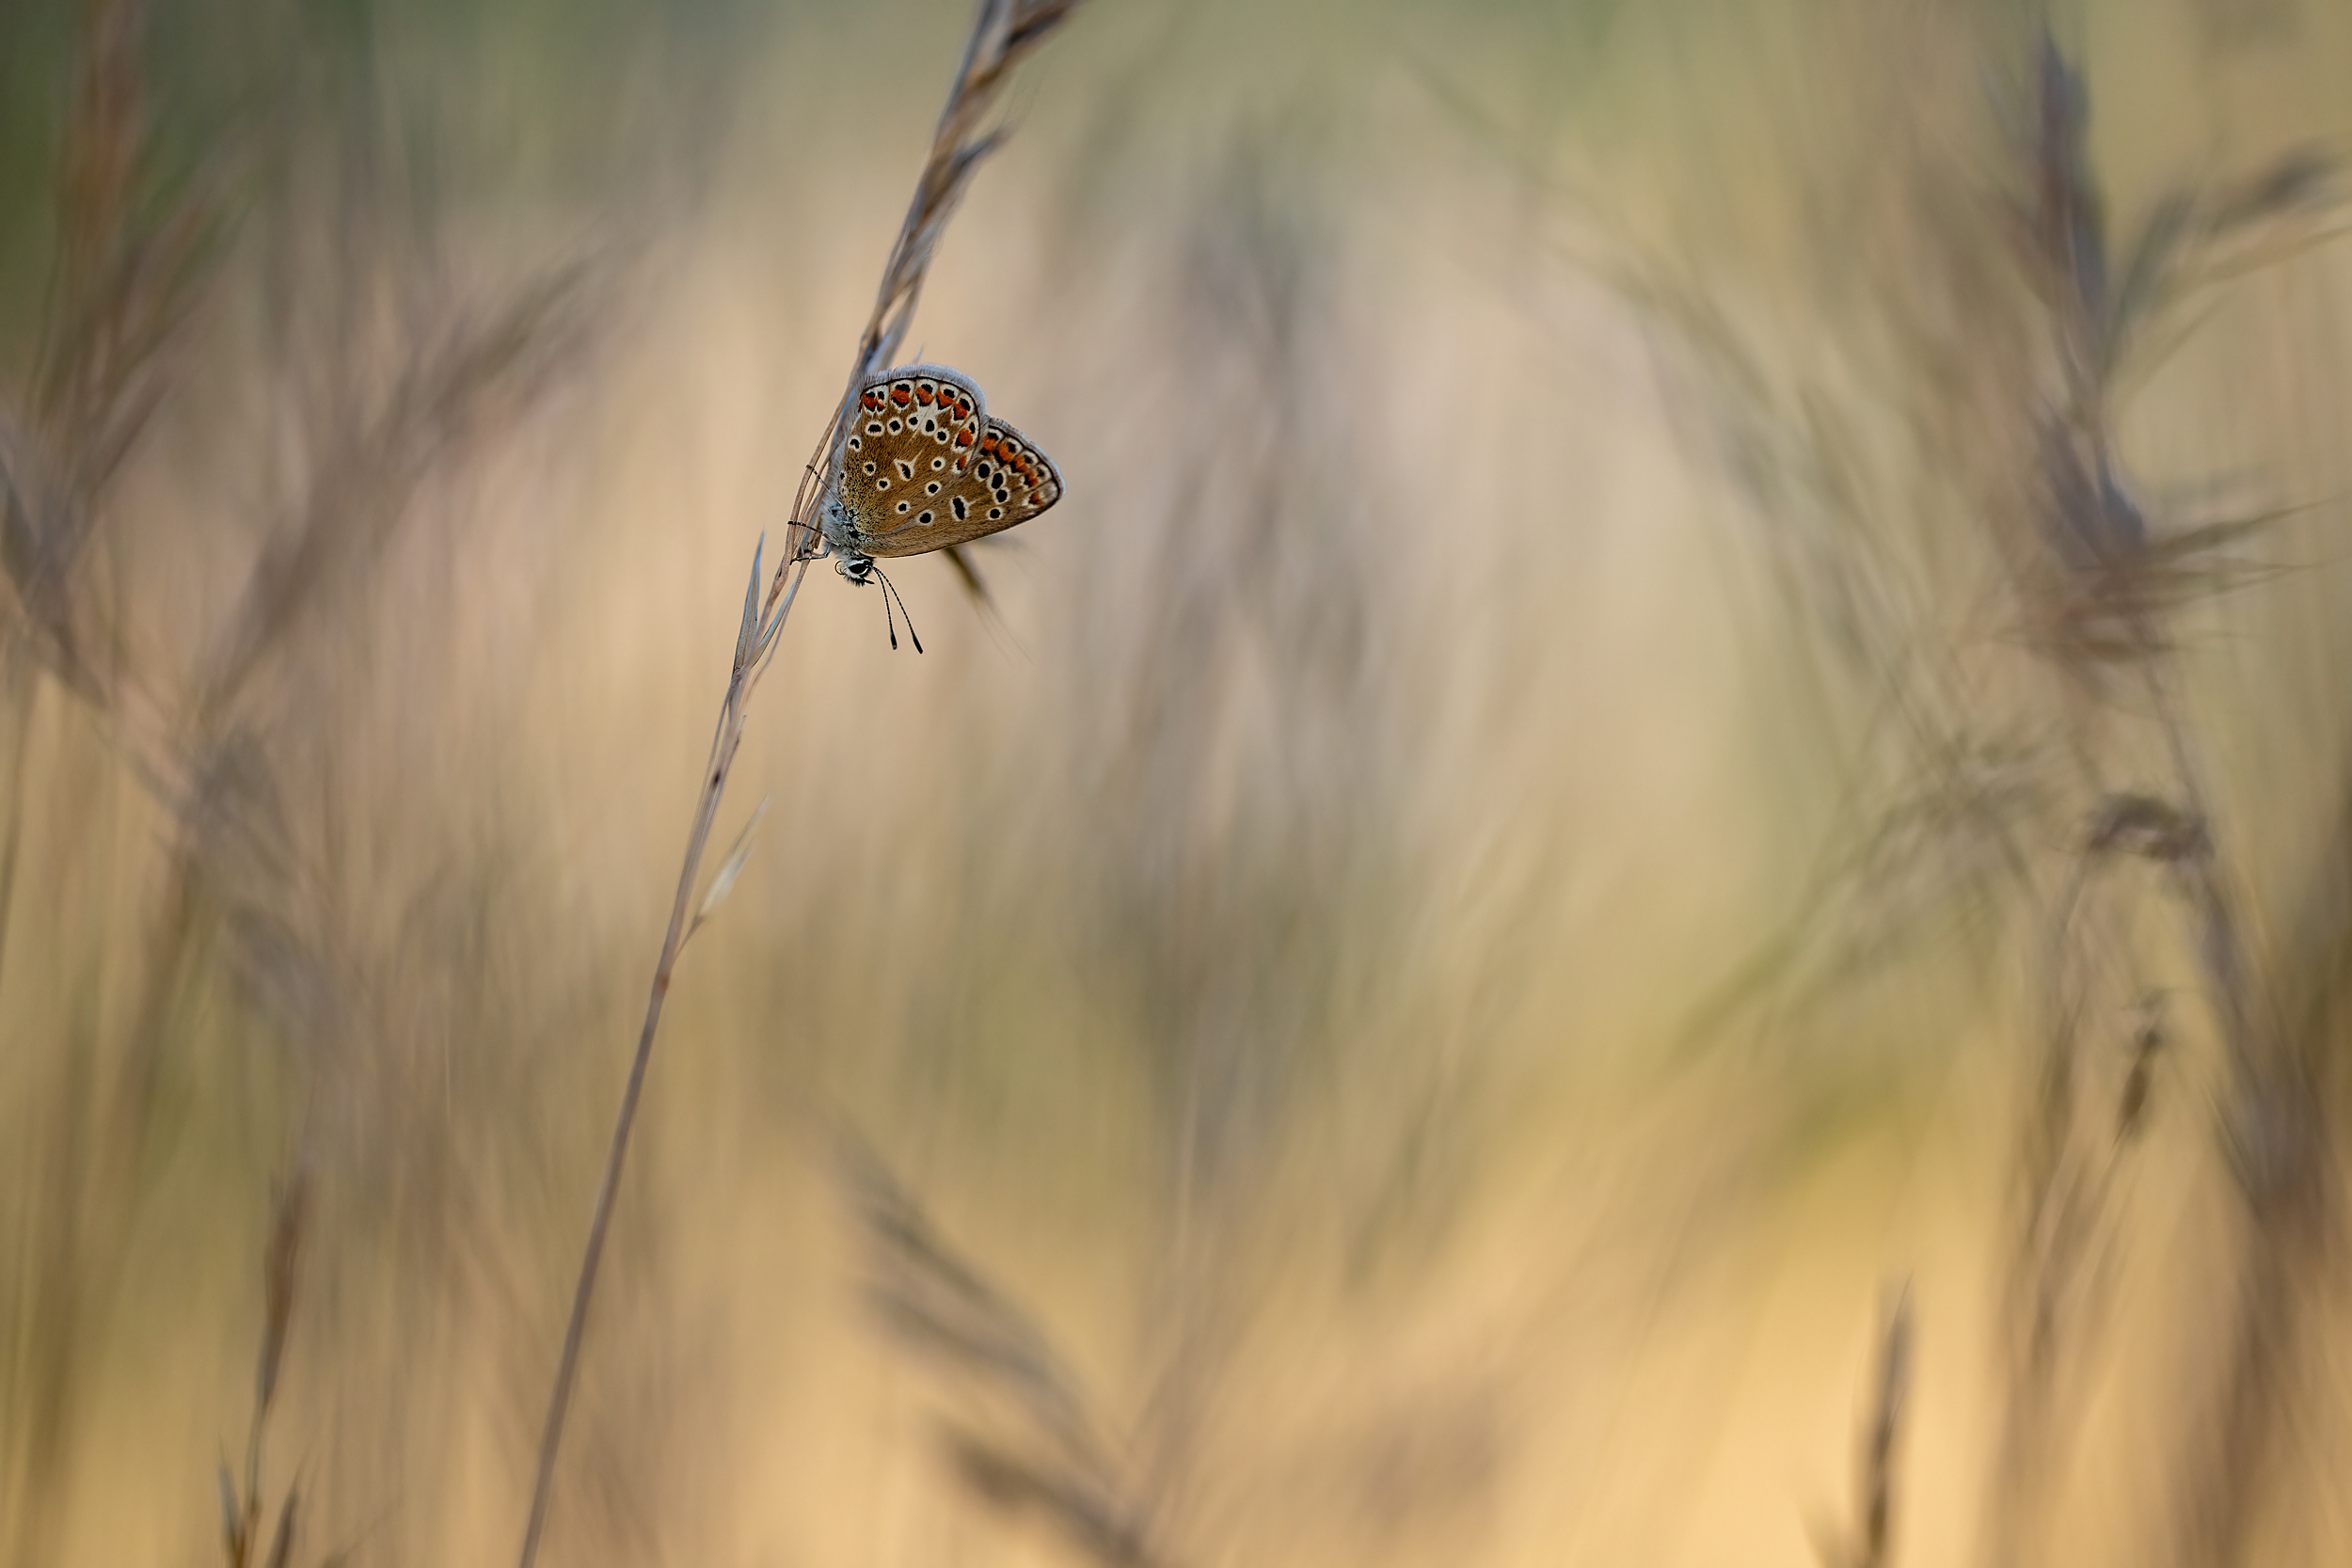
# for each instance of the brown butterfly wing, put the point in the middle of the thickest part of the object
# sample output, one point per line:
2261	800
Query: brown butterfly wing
924	468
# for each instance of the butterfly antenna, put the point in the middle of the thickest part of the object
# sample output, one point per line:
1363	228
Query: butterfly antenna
889	592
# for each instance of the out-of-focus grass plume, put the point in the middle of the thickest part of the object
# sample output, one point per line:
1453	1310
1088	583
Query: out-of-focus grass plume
1695	661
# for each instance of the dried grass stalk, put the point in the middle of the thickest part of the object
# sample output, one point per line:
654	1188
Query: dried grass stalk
1004	32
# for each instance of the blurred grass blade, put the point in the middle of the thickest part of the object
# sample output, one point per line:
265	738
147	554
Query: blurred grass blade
280	1271
974	584
281	1545
231	1534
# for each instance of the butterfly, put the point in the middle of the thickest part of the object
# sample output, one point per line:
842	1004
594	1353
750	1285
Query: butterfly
922	467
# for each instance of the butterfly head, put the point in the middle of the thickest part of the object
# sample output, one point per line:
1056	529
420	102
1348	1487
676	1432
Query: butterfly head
861	570
837	528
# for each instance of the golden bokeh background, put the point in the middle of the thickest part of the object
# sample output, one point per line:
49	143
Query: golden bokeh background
1481	900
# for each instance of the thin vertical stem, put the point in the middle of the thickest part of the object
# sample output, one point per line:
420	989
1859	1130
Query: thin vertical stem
1003	33
733	715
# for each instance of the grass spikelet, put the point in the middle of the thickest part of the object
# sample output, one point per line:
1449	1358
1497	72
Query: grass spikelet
1054	1457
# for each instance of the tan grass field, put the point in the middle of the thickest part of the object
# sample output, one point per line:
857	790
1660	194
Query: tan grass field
1592	809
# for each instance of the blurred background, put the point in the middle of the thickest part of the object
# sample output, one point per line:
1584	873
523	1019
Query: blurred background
1656	865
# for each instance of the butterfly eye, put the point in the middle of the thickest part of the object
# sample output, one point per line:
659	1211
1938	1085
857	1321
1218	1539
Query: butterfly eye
996	511
925	519
882	484
938	463
873	427
894	426
905	505
855	443
906	470
932	488
955	504
870	468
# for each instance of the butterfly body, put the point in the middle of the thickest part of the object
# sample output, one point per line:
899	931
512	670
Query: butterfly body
922	467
